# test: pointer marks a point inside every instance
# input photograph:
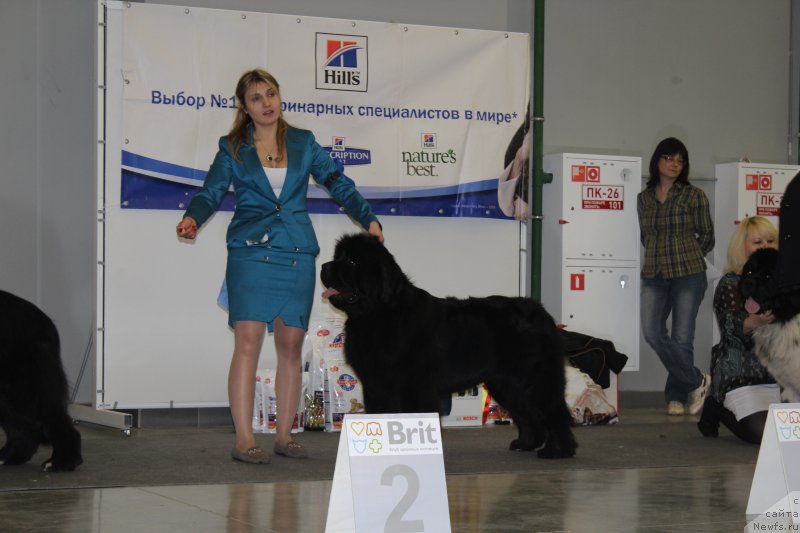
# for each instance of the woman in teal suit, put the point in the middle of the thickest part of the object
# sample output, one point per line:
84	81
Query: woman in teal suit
271	244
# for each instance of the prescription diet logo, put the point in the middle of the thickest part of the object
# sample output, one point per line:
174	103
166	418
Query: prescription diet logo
342	62
348	155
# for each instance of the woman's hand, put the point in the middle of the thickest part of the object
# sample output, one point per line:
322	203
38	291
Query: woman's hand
753	322
375	230
520	209
187	228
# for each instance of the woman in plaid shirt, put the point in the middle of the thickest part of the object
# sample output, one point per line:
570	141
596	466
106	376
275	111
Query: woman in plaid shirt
677	232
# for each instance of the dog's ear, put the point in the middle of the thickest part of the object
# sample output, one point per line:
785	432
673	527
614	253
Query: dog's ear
766	259
763	261
393	279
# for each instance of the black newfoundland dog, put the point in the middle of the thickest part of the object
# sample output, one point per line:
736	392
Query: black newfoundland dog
777	344
33	388
411	349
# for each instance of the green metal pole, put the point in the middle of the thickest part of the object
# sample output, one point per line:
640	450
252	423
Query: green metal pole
537	153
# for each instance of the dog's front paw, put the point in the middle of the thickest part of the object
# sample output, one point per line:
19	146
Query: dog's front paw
519	445
51	465
553	451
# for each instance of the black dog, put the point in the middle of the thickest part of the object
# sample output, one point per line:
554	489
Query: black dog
411	349
33	388
777	344
760	286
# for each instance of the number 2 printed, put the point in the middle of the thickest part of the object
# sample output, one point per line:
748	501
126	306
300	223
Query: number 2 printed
395	522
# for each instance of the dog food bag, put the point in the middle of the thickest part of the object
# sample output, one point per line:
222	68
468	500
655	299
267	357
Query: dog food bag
259	416
586	401
265	402
463	409
343	393
263	406
327	342
494	413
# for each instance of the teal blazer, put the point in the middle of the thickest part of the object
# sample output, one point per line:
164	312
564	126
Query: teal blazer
261	216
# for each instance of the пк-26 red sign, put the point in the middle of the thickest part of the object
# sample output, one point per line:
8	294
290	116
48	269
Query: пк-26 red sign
603	197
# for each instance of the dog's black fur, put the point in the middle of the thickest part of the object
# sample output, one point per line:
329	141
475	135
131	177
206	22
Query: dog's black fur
411	349
33	388
760	282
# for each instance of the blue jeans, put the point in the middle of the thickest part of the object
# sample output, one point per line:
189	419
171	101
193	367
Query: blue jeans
681	297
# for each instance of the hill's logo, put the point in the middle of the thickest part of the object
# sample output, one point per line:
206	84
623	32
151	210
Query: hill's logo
346	154
429	141
342	62
337	342
347	382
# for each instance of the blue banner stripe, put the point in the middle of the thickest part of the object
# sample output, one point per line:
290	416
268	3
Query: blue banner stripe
140	162
140	191
143	165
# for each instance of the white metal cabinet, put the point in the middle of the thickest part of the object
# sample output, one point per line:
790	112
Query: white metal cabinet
600	300
590	205
745	190
591	248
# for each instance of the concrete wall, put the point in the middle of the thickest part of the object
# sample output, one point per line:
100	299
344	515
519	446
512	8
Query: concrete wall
47	165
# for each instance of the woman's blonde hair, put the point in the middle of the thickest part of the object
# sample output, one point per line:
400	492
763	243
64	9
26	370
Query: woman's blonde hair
240	133
736	253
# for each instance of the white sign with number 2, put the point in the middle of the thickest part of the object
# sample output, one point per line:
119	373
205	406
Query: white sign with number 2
389	476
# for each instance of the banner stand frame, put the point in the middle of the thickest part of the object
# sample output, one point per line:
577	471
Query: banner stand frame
101	417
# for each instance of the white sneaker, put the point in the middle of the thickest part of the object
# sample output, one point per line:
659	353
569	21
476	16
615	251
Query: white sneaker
675	409
698	396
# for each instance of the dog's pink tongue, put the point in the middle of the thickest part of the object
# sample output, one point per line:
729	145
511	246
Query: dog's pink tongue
751	306
329	292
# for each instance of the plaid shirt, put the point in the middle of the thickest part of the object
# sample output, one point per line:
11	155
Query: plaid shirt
676	234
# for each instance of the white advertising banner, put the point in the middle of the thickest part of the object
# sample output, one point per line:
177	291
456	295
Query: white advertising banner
420	116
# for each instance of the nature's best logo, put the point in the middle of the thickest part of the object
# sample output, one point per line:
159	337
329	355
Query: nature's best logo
342	62
428	160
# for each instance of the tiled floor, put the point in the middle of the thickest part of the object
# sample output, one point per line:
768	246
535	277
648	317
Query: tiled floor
678	497
684	499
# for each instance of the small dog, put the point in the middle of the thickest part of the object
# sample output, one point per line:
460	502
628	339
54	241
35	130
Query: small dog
33	388
411	349
777	344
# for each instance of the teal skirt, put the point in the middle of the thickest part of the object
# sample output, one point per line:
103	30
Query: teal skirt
263	284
